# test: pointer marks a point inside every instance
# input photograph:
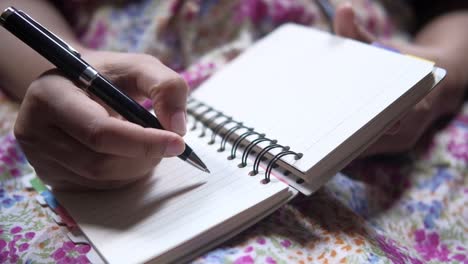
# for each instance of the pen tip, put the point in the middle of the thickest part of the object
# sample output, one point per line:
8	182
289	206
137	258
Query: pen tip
194	160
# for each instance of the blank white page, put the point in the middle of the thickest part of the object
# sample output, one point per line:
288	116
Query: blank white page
311	90
178	204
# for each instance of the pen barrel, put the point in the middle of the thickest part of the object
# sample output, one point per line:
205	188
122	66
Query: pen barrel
122	103
46	45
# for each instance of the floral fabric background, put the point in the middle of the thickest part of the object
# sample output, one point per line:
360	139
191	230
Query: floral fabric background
405	209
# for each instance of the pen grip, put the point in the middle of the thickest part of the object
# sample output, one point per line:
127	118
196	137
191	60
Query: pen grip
122	103
127	107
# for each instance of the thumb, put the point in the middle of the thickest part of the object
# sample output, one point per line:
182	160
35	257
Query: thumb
346	25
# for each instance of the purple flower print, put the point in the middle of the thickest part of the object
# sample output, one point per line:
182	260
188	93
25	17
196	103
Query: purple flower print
286	243
442	176
8	251
270	260
16	230
248	249
8	203
15	172
261	241
393	252
71	253
3	244
7	160
7	200
429	247
460	258
23	247
432	211
29	235
255	10
459	150
97	38
11	251
244	260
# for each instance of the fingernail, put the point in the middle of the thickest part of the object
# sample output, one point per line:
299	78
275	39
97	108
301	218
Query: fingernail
174	148
178	124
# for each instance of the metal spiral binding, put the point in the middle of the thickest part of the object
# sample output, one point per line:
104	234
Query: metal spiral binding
202	118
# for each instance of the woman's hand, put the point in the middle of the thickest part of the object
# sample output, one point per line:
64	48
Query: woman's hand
443	100
74	141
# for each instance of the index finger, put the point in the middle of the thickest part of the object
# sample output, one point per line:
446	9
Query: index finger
85	120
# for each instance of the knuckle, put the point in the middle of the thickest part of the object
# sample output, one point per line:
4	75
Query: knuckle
145	58
172	84
35	94
178	82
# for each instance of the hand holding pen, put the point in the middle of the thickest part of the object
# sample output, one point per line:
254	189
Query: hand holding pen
72	140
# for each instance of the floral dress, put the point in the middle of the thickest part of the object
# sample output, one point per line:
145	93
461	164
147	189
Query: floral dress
406	209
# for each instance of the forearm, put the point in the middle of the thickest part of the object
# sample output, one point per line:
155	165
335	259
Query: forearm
19	64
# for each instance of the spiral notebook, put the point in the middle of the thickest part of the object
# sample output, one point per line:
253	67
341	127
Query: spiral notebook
283	117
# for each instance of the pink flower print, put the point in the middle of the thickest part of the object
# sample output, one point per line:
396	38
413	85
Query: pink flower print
29	235
270	260
419	235
71	253
15	230
286	243
458	150
97	38
254	10
68	245
2	245
244	260
290	11
14	258
11	246
459	257
15	172
59	254
393	252
4	256
12	152
83	249
197	74
7	160
248	249
23	247
429	247
261	241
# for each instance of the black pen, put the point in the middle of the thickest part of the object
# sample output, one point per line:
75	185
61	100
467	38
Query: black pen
69	61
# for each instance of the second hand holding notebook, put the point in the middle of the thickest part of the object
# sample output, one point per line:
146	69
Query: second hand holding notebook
301	99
